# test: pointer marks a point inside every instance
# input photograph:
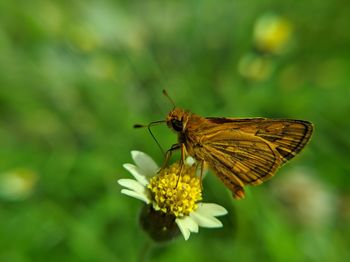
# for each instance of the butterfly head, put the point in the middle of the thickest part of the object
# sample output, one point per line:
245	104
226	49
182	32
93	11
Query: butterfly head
177	119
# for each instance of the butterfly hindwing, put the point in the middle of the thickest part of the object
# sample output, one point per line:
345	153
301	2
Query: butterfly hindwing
251	159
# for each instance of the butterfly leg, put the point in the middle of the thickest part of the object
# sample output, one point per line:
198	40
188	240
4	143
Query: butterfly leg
181	163
201	173
168	155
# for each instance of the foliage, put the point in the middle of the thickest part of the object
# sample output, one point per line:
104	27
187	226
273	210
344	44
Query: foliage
76	75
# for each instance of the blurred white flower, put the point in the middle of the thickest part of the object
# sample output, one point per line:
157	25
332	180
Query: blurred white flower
17	184
306	199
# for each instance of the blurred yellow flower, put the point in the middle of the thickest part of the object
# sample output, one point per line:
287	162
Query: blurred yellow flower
255	67
272	34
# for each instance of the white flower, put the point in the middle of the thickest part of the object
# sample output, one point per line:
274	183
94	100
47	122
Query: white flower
167	193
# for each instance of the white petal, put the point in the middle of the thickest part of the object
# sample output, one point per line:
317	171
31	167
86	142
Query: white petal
191	224
137	174
190	161
211	209
181	223
145	163
205	221
140	196
132	184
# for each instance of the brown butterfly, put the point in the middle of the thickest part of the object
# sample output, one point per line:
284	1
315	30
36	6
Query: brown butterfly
241	151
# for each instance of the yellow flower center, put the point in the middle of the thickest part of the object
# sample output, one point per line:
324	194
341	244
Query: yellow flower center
173	194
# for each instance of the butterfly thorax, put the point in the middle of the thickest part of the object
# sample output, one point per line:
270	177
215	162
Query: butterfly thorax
190	136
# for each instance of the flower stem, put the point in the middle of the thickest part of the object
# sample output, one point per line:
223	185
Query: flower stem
145	251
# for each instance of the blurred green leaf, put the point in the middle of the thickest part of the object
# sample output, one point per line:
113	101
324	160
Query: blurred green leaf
76	75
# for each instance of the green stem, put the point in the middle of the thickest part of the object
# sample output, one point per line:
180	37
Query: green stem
145	251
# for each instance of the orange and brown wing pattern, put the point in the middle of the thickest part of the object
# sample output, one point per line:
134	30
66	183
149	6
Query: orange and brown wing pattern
288	136
241	159
249	151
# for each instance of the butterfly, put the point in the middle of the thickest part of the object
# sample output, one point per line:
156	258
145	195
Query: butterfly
240	151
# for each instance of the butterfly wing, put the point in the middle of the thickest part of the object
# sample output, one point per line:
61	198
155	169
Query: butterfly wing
288	136
249	151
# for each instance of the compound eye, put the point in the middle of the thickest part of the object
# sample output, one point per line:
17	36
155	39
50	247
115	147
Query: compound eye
177	125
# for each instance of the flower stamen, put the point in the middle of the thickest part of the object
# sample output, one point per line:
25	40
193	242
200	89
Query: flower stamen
174	193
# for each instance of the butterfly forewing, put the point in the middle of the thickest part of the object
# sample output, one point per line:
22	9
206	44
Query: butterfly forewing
288	137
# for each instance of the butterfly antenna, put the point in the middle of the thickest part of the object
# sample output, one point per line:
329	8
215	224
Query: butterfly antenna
149	129
167	95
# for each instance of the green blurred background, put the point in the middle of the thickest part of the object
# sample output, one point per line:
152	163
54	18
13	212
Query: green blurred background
76	75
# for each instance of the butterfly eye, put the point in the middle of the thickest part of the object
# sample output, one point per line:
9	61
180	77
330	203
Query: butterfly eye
177	125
